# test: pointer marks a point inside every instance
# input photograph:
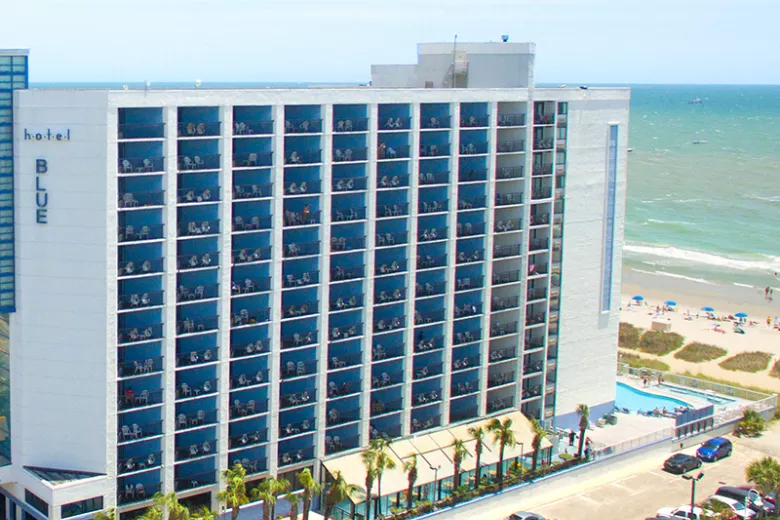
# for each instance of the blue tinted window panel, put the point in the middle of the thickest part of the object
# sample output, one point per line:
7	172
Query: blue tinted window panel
609	222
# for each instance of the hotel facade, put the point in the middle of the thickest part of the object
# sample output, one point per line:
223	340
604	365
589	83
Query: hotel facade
275	276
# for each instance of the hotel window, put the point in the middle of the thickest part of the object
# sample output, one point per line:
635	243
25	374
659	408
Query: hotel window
609	220
82	507
563	108
36	501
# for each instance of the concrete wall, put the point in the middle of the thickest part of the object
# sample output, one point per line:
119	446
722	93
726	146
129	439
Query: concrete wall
588	338
60	360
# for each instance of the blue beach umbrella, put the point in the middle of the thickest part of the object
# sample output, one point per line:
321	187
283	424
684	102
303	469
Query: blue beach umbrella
670	303
637	298
708	309
741	315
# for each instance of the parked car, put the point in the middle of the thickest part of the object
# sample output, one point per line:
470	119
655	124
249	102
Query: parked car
754	499
675	513
770	498
738	508
525	515
680	463
714	449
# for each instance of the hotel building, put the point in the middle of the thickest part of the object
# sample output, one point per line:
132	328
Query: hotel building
274	276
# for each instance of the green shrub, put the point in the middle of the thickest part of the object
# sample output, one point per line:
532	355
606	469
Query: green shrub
635	361
660	343
747	362
700	352
628	336
775	372
751	424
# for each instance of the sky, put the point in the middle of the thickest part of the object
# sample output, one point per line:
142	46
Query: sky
577	41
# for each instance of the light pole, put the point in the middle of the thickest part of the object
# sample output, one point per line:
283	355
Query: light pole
522	464
436	494
693	480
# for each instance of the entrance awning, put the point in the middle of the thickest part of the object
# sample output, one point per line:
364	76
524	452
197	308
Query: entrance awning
434	450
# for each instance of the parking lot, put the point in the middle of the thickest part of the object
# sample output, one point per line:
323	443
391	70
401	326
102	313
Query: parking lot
638	496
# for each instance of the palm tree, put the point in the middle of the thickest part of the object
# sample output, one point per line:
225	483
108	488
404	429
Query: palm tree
338	490
268	491
234	495
765	474
152	513
293	499
108	514
459	452
205	513
176	511
478	434
584	413
310	488
410	467
369	461
536	443
504	436
384	461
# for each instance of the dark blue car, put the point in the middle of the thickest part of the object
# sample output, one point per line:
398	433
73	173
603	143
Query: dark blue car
714	449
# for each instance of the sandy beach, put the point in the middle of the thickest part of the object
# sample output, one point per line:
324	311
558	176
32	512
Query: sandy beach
691	297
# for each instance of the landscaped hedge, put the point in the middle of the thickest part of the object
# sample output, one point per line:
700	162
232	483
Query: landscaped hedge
700	352
628	336
660	343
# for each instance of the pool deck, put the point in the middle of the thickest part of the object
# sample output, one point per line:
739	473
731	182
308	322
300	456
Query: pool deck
665	390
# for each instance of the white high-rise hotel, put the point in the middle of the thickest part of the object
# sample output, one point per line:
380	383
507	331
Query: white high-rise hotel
274	276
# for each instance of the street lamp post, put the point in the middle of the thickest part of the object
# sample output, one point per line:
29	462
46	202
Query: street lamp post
436	489
522	464
693	480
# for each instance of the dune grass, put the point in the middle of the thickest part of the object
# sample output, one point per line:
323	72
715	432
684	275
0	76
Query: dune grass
700	352
628	336
635	361
747	362
660	343
775	372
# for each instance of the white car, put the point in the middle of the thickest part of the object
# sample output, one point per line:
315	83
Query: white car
736	506
674	513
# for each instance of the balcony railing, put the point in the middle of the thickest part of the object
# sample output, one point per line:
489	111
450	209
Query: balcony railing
544	119
249	379
140	300
468	336
474	121
302	126
250	286
247	439
396	295
301	218
536	294
385	151
140	367
252	191
500	379
348	214
499	329
502	304
199	261
141	164
508	199
431	262
345	361
248	408
303	157
380	353
249	317
296	428
141	199
392	210
472	203
137	432
388	324
129	400
425	424
504	251
187	390
470	229
349	154
193	229
337	417
425	318
391	239
349	184
427	345
199	162
533	368
343	303
432	370
195	325
506	277
532	392
195	481
390	268
544	144
340	274
434	150
467	257
338	444
464	363
296	249
303	188
381	407
141	131
509	172
298	398
469	283
138	334
197	357
473	148
246	256
252	159
432	123
303	309
140	233
425	398
430	289
200	449
296	457
344	389
346	331
395	181
132	493
540	219
473	175
359	124
429	178
344	244
252	348
500	403
511	120
259	127
510	146
433	206
199	195
542	169
503	354
432	235
397	123
538	244
199	129
468	309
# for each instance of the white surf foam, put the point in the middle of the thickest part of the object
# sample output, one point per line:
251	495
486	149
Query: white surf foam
769	264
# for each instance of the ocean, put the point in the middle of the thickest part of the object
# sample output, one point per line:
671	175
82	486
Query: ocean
706	212
704	183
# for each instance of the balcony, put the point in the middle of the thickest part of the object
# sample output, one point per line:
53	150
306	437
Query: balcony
398	123
544	144
386	325
433	123
346	331
349	154
433	370
195	229
380	353
338	444
500	355
469	336
252	191
542	169
465	363
346	388
344	244
426	318
472	203
250	286
301	218
141	131
468	309
396	181
538	244
502	304
348	214
197	325
427	345
187	391
298	399
139	432
193	451
433	206
129	400
426	398
303	126
431	262
197	357
540	218
291	369
541	193
198	196
297	249
303	157
140	300
342	303
434	150
139	334
544	119
396	295
469	230
247	409
428	179
536	294
432	235
464	388
199	162
246	317
341	274
128	165
392	210
474	148
141	367
473	256
533	368
248	256
208	478
248	439
350	184
430	289
509	173
336	417
136	493
473	175
498	329
141	199
391	239
249	380
345	361
469	283
500	403
379	407
296	457
140	234
532	392
535	319
509	199
200	261
390	268
510	146
199	129
506	251
252	159
511	120
261	127
351	125
385	152
506	277
303	188
297	428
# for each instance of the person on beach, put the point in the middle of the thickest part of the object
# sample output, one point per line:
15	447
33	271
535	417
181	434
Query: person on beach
766	292
769	321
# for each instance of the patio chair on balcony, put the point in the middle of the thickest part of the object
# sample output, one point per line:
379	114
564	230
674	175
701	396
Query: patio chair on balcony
187	163
251	160
125	433
142	399
333	389
295	158
127	166
198	163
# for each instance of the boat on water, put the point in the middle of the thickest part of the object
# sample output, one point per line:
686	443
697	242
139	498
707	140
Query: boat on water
700	141
695	101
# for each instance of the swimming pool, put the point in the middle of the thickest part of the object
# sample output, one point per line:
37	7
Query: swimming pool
634	399
709	397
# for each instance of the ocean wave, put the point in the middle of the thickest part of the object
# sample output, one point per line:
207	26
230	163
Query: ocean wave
671	222
775	198
766	264
683	277
743	285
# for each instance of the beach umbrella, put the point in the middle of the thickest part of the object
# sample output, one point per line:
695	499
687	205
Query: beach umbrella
670	303
637	298
708	309
741	315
